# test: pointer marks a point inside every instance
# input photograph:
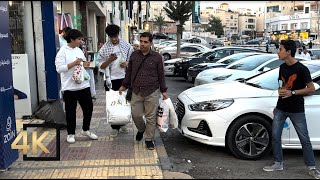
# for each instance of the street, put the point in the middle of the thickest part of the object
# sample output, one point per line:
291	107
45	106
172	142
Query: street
202	161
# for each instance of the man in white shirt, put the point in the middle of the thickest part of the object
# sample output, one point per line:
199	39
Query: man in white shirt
62	41
113	58
305	54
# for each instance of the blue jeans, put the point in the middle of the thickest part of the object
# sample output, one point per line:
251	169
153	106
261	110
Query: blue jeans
299	122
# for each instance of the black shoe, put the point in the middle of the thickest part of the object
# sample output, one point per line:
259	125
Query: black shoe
150	145
139	136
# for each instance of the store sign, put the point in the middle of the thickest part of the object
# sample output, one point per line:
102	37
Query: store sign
21	84
7	115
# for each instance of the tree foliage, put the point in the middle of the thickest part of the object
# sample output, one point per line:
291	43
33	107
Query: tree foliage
180	12
159	21
215	26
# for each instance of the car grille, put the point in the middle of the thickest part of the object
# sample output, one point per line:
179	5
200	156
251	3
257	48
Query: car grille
180	111
202	128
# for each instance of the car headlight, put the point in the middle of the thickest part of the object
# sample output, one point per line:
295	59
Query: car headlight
212	105
219	78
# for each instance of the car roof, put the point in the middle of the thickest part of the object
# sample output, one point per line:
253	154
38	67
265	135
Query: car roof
272	57
237	54
235	47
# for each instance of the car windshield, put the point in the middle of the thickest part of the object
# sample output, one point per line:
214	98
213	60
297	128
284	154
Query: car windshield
206	54
199	54
233	58
269	80
250	63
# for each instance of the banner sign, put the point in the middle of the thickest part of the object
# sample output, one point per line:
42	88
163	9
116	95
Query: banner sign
7	114
21	85
196	13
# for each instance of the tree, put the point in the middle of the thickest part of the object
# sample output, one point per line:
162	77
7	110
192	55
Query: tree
180	12
159	21
215	26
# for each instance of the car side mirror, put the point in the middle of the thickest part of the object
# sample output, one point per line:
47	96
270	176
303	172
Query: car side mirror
265	69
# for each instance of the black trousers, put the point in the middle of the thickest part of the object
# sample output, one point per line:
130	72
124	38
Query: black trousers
116	84
84	98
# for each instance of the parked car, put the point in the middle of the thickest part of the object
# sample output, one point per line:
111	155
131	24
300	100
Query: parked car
181	67
254	41
241	69
161	36
169	64
315	53
163	44
226	43
193	71
187	50
238	115
216	43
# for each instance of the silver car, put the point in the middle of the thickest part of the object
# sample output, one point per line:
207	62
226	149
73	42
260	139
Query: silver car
186	50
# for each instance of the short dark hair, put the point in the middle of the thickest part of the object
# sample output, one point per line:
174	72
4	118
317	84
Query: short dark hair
73	34
289	45
147	34
112	30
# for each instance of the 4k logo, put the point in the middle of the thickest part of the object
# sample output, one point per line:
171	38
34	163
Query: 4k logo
36	142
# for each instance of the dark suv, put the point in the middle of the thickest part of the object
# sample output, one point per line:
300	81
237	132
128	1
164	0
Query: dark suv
212	56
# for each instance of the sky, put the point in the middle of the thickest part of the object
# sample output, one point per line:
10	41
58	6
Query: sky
233	4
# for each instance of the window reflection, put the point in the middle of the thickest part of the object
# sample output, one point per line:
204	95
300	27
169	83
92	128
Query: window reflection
16	14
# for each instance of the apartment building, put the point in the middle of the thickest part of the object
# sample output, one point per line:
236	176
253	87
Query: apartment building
260	21
295	19
247	22
229	19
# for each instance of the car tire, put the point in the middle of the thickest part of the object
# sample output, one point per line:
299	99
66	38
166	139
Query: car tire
254	134
166	56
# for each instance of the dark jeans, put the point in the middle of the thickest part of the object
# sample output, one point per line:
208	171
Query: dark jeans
84	98
116	84
299	122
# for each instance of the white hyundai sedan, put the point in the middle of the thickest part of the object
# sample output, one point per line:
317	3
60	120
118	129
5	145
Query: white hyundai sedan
238	115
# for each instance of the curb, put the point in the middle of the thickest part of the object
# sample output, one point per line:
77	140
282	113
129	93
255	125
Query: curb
162	153
165	163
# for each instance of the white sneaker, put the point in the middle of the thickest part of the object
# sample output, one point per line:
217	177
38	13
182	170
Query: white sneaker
70	139
89	134
124	129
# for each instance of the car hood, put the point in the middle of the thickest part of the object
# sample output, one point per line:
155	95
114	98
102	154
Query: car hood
203	66
173	60
224	90
235	74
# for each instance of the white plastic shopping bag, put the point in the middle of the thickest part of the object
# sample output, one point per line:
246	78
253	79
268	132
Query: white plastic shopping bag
173	118
80	74
163	116
118	108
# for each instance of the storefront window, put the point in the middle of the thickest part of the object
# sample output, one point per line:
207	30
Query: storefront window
16	19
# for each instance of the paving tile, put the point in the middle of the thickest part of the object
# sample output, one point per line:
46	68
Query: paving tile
121	157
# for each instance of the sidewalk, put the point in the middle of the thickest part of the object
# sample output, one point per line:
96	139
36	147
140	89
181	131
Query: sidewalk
106	158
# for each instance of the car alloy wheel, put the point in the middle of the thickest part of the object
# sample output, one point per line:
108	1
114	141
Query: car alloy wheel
250	137
166	57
